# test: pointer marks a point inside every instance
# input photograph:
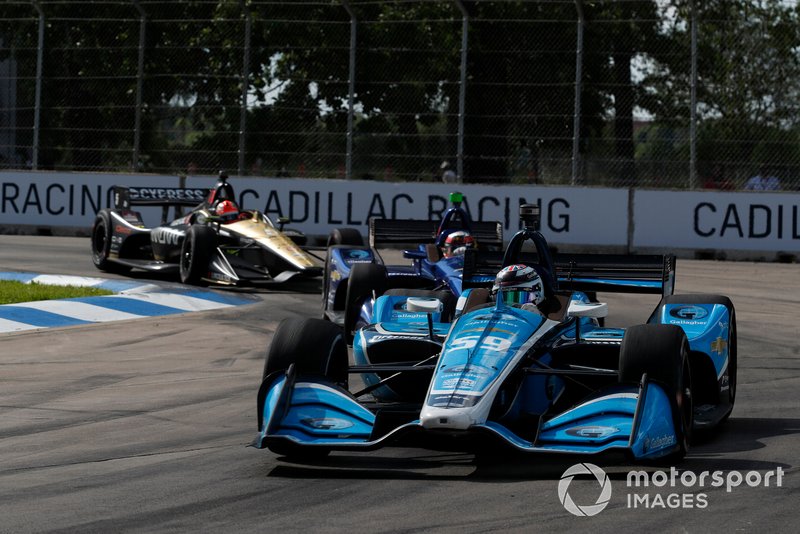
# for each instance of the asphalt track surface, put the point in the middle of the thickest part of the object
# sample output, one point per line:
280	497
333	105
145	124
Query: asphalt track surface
144	426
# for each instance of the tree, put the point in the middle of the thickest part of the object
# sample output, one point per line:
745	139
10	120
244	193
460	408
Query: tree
618	34
748	82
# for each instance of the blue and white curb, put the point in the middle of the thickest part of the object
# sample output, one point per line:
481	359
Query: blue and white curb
132	300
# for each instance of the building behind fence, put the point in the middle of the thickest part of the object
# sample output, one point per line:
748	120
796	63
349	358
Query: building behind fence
667	94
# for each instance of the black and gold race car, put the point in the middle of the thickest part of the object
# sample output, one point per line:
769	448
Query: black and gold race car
216	242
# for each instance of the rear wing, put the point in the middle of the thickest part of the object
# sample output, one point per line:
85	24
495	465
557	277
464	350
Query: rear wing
125	197
405	231
166	197
617	273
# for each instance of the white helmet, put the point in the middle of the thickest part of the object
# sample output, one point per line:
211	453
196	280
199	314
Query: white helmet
519	284
457	243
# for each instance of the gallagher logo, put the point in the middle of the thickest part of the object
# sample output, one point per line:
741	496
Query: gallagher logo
326	423
690	313
357	256
592	431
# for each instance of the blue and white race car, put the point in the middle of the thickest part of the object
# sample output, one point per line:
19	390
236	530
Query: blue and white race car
356	274
541	377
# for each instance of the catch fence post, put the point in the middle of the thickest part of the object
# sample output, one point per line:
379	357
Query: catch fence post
576	119
137	121
462	88
37	106
248	26
351	88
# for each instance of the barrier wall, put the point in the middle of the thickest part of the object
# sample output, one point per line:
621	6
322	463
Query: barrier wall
762	222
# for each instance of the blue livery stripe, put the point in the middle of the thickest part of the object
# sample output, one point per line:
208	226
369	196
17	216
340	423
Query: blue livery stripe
616	282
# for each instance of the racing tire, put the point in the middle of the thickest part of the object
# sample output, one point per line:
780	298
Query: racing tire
345	236
101	244
733	364
197	249
662	351
699	298
315	347
338	236
364	279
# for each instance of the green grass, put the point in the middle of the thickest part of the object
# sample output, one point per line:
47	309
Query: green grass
12	291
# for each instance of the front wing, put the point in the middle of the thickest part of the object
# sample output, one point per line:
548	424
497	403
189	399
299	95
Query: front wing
308	412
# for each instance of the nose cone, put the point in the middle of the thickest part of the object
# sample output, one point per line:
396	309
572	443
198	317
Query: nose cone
445	418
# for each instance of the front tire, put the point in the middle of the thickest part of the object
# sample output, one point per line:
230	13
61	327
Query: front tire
315	347
365	280
101	244
662	351
197	249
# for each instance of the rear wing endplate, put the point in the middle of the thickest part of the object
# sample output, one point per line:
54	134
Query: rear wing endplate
616	273
412	231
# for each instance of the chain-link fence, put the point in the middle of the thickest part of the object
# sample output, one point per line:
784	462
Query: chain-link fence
663	93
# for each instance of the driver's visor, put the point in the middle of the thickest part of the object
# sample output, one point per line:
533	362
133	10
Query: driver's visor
520	296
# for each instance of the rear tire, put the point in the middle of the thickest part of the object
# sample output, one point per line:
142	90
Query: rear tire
338	298
662	351
197	249
696	298
338	236
732	363
365	278
315	347
345	236
101	244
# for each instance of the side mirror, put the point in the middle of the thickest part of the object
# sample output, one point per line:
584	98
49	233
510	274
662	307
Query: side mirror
414	255
282	221
423	304
596	310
